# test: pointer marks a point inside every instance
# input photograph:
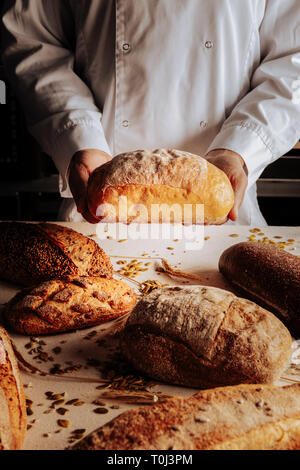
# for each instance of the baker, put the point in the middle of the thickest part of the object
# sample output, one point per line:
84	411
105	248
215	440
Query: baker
215	78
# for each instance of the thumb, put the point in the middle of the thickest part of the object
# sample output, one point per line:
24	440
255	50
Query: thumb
239	185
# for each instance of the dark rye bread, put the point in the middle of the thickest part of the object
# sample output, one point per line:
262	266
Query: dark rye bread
12	398
268	275
32	253
63	305
204	337
243	417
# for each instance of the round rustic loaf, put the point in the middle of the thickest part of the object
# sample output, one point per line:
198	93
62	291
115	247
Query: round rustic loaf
205	337
150	178
12	398
32	253
267	275
63	305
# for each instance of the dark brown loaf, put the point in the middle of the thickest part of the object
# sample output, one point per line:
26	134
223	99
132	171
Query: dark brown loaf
12	398
31	253
59	305
268	275
243	417
204	337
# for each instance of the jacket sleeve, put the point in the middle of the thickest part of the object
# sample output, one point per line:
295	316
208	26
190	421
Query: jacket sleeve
38	55
265	124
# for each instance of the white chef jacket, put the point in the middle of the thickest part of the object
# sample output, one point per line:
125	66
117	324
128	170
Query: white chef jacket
196	75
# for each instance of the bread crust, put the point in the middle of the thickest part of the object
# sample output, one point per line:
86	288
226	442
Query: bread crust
268	275
242	417
205	337
171	177
63	305
32	253
12	398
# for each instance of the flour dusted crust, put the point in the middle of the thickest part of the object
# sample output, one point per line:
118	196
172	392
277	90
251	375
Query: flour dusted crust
242	417
203	337
12	398
63	305
31	253
160	177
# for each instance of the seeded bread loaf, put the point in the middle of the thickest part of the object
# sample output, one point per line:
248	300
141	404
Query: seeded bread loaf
31	253
150	178
205	337
242	417
12	398
268	275
63	305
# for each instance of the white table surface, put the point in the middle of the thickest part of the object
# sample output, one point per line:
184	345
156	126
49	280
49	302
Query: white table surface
78	349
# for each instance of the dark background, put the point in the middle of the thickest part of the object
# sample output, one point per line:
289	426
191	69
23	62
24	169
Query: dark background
29	180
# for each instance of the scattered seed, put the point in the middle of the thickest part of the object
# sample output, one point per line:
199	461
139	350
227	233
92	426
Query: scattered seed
71	402
260	403
58	402
62	411
79	403
56	350
63	423
201	419
100	411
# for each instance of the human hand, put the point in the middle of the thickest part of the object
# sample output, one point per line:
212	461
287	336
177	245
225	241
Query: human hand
82	165
233	166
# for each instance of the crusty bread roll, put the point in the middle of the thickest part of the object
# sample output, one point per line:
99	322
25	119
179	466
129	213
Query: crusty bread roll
204	337
243	417
63	305
32	253
169	177
268	275
12	398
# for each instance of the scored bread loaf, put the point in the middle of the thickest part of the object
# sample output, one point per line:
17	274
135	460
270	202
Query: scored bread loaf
268	275
12	398
63	305
242	417
171	178
32	253
204	337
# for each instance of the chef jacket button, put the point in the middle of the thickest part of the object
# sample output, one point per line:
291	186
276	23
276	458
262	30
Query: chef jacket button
125	123
203	124
209	44
126	47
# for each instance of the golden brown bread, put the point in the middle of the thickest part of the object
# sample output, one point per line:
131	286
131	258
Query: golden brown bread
204	337
32	253
242	417
63	305
268	275
171	177
12	398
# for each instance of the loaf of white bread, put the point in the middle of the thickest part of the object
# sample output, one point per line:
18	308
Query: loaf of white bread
242	417
172	178
204	337
12	398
